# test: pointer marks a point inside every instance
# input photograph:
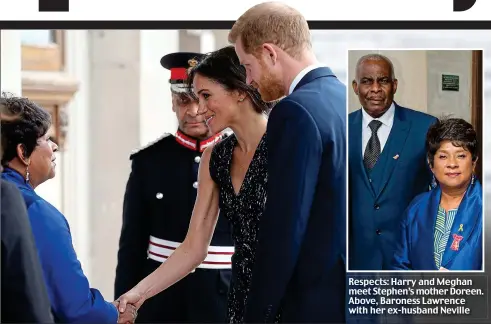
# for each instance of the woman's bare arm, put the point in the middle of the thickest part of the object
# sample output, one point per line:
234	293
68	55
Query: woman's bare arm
192	252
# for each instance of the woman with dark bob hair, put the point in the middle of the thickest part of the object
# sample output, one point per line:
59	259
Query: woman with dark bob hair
232	179
28	161
448	217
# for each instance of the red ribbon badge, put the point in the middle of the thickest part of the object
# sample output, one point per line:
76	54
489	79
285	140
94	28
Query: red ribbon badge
456	241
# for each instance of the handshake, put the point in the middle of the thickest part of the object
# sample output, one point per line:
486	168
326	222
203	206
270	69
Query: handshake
127	306
126	316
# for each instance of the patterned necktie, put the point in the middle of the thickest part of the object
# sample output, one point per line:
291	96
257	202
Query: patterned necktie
372	152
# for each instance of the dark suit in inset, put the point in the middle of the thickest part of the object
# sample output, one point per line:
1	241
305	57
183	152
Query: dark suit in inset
377	202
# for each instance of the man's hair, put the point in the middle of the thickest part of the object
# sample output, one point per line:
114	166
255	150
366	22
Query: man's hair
275	23
375	57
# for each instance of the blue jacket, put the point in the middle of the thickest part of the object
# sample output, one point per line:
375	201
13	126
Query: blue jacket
418	228
72	299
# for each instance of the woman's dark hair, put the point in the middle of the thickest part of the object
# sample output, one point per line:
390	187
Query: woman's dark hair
22	122
455	130
223	66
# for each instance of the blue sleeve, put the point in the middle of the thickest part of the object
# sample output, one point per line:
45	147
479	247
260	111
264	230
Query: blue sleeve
72	299
294	159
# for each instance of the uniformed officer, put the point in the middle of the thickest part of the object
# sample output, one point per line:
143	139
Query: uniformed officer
158	204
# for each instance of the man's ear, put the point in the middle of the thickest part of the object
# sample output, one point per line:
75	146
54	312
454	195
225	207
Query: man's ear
270	52
354	84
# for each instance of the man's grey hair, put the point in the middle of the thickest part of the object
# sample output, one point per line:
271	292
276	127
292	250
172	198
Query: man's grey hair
375	57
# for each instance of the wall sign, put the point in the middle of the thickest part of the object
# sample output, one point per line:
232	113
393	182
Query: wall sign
450	82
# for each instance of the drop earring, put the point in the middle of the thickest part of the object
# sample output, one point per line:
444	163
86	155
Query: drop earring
473	179
433	182
27	174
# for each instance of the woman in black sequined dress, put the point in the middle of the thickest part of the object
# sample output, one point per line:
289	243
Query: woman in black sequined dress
232	180
243	208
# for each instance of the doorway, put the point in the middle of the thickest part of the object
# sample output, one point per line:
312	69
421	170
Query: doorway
476	105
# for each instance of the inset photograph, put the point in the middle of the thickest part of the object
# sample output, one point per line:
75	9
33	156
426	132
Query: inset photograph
415	160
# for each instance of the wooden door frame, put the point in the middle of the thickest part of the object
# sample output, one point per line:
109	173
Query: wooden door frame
476	105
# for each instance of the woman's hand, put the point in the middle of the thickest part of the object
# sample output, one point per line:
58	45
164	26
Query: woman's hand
131	297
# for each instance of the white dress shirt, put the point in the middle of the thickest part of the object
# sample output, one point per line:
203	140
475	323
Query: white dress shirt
301	75
383	132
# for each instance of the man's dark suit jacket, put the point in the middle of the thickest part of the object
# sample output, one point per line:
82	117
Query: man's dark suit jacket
377	203
24	296
300	266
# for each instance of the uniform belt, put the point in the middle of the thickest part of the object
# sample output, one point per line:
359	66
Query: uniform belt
219	257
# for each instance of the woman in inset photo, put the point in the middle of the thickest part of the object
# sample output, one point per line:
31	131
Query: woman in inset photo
442	228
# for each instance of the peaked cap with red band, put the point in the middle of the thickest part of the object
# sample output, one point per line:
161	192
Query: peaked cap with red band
178	63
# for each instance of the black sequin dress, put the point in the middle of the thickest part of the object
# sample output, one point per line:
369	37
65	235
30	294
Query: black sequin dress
243	210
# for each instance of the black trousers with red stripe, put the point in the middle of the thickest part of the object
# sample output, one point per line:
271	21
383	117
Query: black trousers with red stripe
201	297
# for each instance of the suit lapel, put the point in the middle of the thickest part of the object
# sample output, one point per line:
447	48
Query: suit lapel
355	142
464	223
394	146
314	74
